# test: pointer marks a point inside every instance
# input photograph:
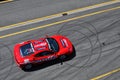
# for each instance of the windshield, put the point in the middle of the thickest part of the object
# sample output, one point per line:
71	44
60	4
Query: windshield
26	49
53	45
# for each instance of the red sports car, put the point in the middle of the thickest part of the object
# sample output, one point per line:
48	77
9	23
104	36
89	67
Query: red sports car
32	52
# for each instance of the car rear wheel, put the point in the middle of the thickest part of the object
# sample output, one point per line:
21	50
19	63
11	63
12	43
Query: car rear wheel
28	66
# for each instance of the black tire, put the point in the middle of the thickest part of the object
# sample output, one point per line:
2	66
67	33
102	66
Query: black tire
27	67
62	57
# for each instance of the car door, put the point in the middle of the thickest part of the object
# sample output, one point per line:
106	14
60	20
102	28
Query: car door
45	56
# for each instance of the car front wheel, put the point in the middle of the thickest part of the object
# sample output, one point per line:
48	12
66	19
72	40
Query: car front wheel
62	57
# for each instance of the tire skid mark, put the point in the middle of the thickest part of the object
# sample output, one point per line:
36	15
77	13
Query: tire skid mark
11	66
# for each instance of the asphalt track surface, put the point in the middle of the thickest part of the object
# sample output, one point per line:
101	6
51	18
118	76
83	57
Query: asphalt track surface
96	40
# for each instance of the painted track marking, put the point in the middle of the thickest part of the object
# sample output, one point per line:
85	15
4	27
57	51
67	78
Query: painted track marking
58	15
1	2
106	74
62	21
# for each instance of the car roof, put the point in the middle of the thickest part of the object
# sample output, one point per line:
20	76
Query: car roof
39	45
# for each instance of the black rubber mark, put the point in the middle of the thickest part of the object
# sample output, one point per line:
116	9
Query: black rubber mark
93	33
64	29
64	14
103	43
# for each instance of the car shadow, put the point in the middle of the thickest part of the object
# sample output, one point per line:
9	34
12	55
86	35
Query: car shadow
50	63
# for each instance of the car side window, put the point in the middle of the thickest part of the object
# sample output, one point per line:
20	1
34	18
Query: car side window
45	53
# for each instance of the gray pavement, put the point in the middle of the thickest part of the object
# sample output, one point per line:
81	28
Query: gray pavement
22	10
96	40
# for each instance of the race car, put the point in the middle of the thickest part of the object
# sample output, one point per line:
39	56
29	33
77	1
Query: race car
39	51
